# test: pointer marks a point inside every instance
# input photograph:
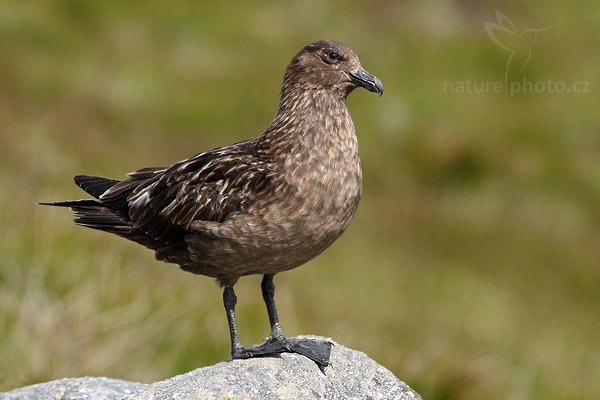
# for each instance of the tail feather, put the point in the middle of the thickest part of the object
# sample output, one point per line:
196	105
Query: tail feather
93	214
104	219
71	203
99	217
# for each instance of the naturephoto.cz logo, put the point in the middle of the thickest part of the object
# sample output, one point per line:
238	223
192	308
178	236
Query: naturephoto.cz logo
519	48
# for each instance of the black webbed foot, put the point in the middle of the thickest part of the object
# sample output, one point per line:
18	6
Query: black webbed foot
316	350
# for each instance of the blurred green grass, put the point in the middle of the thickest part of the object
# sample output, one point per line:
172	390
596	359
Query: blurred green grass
470	271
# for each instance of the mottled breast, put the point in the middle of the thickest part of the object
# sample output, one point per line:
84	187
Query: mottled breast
315	191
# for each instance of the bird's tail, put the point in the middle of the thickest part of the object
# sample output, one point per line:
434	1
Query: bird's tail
93	214
97	215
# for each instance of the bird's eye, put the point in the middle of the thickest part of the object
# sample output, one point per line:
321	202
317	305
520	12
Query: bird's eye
330	56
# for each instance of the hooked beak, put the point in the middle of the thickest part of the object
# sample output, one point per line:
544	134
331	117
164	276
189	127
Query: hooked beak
363	78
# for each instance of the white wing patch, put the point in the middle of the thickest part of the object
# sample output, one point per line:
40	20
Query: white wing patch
141	200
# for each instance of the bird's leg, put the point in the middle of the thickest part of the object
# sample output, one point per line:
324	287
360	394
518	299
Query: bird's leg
268	292
276	343
229	301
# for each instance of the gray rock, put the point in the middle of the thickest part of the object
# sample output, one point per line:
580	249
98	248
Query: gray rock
77	389
351	375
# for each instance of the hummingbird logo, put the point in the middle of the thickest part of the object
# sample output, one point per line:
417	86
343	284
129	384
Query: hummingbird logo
519	45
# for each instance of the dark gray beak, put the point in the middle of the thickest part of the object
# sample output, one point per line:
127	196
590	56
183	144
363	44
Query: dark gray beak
362	78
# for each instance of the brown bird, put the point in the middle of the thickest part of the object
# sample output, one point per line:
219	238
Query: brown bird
259	206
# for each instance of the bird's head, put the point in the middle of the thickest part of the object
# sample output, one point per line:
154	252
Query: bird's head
331	66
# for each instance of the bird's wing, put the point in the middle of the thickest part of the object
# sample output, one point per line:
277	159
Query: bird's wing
207	187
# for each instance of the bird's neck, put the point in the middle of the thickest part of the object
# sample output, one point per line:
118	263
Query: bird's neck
316	113
312	138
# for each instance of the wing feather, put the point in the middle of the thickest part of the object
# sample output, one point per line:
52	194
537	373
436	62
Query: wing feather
164	202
